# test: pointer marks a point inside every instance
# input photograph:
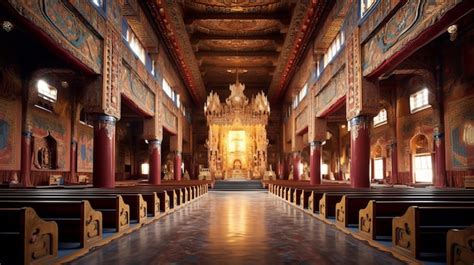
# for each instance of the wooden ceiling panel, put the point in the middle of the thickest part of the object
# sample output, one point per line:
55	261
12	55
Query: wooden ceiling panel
258	36
237	28
237	45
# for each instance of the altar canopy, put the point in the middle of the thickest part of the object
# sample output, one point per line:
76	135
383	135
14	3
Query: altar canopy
237	143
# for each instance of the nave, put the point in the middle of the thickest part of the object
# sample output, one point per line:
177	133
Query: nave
238	228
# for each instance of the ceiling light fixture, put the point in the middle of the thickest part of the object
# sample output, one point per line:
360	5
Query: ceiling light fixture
453	32
7	26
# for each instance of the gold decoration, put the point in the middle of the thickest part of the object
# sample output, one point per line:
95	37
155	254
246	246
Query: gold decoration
237	141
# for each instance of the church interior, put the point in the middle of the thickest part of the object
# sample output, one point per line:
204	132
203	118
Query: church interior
237	132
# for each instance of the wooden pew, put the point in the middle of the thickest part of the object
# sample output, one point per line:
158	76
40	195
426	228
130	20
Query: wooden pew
421	231
327	204
25	238
459	246
375	221
347	210
115	212
77	221
141	202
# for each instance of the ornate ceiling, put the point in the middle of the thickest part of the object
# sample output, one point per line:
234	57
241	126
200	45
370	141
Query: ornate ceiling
208	38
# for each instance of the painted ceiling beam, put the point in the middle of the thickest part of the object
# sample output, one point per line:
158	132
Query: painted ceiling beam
237	54
277	37
284	18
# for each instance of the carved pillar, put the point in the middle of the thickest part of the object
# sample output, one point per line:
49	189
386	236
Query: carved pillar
26	158
360	152
104	152
154	147
296	166
439	179
177	166
73	160
315	163
394	156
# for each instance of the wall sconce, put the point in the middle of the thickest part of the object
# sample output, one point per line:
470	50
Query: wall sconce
7	26
453	32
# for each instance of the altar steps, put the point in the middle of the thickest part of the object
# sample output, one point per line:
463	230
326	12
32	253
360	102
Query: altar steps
246	185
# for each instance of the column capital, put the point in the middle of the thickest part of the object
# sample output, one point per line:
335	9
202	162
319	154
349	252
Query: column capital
154	142
313	144
438	134
357	120
27	134
106	119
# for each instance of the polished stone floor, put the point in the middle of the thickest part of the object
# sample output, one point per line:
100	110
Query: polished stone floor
238	228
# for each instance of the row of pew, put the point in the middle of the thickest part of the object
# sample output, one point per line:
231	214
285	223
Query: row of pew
37	224
423	223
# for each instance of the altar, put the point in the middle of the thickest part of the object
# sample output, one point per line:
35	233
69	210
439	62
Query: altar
237	142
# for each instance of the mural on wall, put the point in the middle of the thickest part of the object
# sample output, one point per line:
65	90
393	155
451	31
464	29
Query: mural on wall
170	120
51	136
61	23
460	135
381	11
90	13
10	131
135	90
85	148
405	25
302	120
331	93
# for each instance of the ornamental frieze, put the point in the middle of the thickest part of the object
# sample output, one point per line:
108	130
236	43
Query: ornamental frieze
63	26
414	17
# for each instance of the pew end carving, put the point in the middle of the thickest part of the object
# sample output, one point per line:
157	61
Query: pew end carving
92	224
403	232
366	220
341	218
322	206
123	214
460	246
143	209
41	238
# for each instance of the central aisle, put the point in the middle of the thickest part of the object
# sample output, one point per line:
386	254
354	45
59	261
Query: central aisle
238	228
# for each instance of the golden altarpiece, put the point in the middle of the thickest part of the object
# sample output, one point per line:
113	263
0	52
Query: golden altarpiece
237	142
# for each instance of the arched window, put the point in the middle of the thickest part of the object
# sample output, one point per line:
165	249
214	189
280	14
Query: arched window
422	165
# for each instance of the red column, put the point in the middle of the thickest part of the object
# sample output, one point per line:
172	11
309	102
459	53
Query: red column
296	168
26	158
104	152
73	160
360	152
439	179
394	156
315	163
177	166
154	147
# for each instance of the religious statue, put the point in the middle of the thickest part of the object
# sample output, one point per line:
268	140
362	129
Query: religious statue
14	179
186	175
168	170
290	177
305	174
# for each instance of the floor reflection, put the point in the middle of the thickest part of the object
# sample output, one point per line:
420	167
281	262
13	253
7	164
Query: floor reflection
237	228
